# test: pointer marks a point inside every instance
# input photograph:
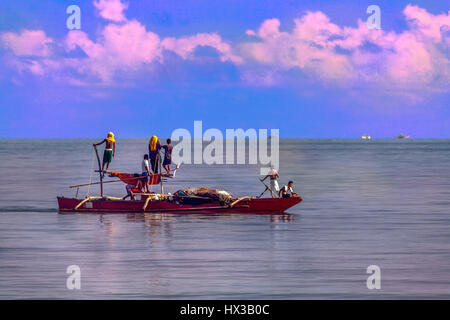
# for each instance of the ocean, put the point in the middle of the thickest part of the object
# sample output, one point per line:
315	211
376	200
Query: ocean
380	202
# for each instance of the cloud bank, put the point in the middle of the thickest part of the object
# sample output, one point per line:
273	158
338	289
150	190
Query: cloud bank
328	52
320	50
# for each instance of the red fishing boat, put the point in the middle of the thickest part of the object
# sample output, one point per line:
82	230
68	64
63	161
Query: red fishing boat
190	200
173	204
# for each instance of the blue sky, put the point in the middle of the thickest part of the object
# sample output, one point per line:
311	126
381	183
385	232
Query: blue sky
140	68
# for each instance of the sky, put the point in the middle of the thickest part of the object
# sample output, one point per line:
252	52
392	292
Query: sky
312	69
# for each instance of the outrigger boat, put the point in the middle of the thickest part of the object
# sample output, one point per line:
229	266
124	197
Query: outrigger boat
190	200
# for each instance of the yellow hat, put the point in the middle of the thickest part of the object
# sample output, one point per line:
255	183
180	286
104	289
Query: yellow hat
153	142
110	136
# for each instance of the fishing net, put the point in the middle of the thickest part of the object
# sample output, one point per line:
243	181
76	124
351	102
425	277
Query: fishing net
222	196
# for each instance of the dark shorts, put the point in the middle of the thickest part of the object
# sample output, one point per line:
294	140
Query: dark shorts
107	156
167	162
286	195
145	176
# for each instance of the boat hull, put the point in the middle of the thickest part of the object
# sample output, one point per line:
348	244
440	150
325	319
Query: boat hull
252	205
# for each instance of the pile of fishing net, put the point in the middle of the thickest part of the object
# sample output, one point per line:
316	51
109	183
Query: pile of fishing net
189	194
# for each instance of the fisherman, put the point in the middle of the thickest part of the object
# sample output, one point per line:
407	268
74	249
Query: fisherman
153	150
110	149
273	175
287	191
167	156
146	172
134	188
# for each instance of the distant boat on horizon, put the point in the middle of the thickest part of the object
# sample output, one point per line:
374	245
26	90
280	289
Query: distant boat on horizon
366	137
401	136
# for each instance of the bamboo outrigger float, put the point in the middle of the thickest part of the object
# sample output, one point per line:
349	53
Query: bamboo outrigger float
202	201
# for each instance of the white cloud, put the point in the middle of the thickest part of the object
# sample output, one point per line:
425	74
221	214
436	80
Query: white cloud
322	51
27	43
186	46
410	59
111	9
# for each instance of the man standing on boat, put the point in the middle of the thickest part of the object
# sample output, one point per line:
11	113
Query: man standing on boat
153	150
145	172
110	149
167	156
273	175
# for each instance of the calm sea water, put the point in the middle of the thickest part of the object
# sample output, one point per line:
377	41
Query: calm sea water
384	203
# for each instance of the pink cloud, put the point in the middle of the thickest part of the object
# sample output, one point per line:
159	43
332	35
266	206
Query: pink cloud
315	27
410	60
348	55
322	50
111	9
270	29
306	47
80	39
250	33
125	47
27	43
186	46
130	47
131	44
426	24
35	67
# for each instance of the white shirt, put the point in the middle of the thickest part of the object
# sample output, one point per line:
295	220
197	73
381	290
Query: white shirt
145	165
287	189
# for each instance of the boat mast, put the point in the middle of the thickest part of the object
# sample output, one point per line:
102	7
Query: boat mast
100	171
160	174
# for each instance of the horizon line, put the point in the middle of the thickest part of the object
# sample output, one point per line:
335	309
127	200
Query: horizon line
291	138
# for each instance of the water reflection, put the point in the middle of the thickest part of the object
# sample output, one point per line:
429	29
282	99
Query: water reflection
161	224
285	217
155	220
108	225
154	223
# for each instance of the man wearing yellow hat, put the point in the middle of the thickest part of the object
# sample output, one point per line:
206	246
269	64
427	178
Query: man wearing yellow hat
153	151
110	149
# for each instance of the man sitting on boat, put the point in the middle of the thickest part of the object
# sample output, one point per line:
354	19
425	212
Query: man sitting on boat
110	149
287	191
135	188
273	175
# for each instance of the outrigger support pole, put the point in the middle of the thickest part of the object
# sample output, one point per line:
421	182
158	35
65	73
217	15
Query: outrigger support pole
267	188
99	170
